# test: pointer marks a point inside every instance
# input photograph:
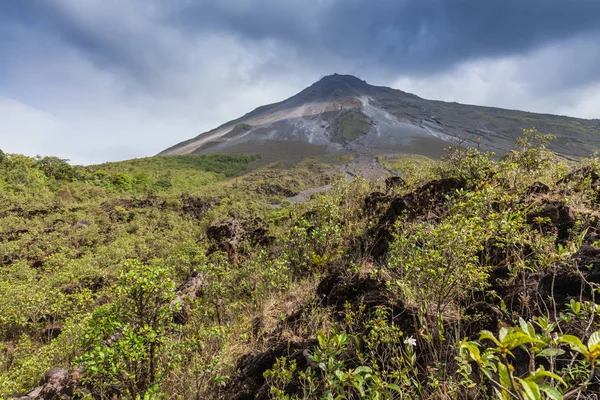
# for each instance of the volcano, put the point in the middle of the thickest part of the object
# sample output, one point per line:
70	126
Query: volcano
342	113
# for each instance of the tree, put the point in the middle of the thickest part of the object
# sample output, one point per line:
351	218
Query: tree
57	168
124	342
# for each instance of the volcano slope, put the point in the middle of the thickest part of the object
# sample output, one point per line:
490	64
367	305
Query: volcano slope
467	277
341	113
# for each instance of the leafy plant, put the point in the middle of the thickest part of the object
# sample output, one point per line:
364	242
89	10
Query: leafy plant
497	365
125	342
436	264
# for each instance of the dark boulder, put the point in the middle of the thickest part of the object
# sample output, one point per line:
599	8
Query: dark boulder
58	384
393	182
226	237
196	206
574	280
537	188
580	175
250	383
420	203
188	291
275	189
553	218
374	201
338	290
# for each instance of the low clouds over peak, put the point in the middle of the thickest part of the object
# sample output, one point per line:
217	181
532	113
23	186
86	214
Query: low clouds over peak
108	79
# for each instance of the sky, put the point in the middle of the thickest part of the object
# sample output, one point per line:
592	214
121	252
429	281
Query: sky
104	80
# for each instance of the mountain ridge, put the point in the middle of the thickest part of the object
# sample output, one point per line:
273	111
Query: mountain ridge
342	113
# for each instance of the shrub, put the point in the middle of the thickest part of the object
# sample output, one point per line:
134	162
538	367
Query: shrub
436	264
125	342
123	182
467	163
57	168
378	365
531	161
543	346
315	242
143	183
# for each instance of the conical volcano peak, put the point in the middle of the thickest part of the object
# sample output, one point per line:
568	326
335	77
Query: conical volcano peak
342	82
335	86
340	78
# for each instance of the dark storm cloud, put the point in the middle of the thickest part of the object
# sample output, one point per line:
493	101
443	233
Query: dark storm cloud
418	36
395	36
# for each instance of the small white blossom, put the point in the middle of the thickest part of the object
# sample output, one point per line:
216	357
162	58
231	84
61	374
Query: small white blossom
411	340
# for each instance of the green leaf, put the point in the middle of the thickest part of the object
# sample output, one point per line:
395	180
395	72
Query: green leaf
575	306
551	393
523	324
502	334
531	389
505	380
322	340
516	339
472	349
340	375
488	335
393	387
500	395
527	327
542	373
487	373
550	352
594	340
575	343
362	370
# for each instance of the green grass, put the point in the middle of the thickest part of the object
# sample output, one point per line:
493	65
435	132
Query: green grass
184	172
350	125
413	168
227	165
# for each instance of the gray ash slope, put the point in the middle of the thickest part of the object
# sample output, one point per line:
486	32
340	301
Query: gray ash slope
341	113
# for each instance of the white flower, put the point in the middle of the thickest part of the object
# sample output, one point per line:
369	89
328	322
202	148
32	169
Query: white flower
411	340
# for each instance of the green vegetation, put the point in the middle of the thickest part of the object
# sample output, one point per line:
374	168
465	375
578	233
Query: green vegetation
173	174
350	125
136	325
411	167
173	277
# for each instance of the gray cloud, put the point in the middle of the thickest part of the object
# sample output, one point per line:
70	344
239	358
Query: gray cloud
400	35
106	79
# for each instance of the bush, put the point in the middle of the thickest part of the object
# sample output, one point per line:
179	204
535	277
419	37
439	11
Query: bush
467	163
543	346
380	364
122	182
437	264
57	168
125	343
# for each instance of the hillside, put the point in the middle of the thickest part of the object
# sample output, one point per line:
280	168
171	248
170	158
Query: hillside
341	113
460	278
